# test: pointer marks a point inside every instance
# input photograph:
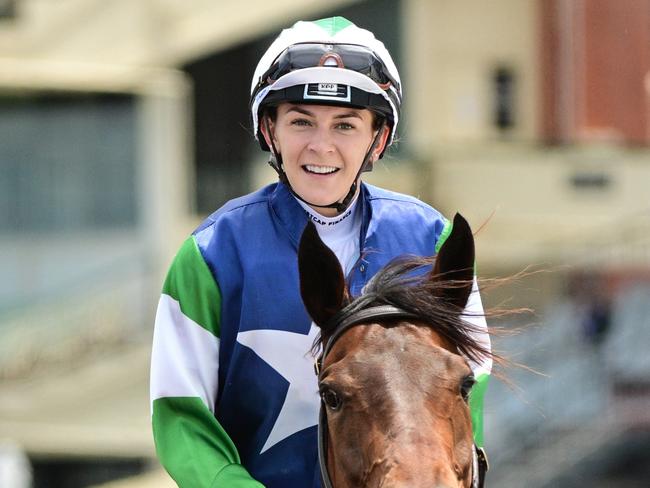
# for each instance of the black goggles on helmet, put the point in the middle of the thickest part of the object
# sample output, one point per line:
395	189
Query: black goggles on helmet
347	56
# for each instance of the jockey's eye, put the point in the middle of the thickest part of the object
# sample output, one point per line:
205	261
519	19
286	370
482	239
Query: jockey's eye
466	386
330	398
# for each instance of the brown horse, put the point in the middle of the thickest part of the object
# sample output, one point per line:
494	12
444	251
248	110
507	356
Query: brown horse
393	374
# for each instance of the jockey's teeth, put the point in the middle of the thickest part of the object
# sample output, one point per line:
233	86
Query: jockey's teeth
320	169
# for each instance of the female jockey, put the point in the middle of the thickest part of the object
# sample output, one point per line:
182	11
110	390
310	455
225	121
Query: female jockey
234	396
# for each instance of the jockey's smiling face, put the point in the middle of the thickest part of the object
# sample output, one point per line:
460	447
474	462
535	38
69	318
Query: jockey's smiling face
322	148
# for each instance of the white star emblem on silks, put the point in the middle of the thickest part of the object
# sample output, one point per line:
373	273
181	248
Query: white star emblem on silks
288	353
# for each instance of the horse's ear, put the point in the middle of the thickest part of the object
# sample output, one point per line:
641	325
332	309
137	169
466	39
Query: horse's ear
322	285
455	263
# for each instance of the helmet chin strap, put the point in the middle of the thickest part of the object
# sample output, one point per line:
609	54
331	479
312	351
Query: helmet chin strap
275	160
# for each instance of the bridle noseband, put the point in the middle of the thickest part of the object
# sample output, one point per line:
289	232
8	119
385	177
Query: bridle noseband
341	323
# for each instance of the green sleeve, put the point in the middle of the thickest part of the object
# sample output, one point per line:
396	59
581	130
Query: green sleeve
191	444
476	407
193	447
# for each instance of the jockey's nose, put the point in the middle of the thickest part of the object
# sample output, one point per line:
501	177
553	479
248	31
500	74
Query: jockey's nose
321	141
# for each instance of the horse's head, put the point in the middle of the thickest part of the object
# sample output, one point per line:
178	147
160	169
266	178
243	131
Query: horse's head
395	389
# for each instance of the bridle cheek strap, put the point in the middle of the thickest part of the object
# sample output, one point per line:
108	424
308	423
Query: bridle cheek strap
323	434
480	467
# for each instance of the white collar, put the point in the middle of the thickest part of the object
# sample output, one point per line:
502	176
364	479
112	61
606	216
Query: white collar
338	227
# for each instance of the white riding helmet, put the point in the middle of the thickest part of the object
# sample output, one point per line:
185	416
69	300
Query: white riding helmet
327	62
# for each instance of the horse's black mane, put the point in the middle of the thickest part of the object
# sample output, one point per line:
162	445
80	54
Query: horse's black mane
405	283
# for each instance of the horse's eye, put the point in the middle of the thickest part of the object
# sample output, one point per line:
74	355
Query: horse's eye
330	398
466	386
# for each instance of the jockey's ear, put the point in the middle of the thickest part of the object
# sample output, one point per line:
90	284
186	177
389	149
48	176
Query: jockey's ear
267	128
455	264
322	285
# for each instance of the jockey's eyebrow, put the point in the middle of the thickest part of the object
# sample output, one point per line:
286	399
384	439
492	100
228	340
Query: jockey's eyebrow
349	114
300	110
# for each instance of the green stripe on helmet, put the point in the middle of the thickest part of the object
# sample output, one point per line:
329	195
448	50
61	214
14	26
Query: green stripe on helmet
333	25
191	283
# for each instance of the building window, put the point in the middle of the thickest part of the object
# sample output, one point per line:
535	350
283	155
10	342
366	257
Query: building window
67	163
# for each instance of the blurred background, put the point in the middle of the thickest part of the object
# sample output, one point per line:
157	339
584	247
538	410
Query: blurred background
123	123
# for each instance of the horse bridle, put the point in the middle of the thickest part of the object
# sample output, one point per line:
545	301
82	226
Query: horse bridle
341	323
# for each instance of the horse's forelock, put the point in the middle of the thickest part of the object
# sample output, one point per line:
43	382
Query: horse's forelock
405	283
